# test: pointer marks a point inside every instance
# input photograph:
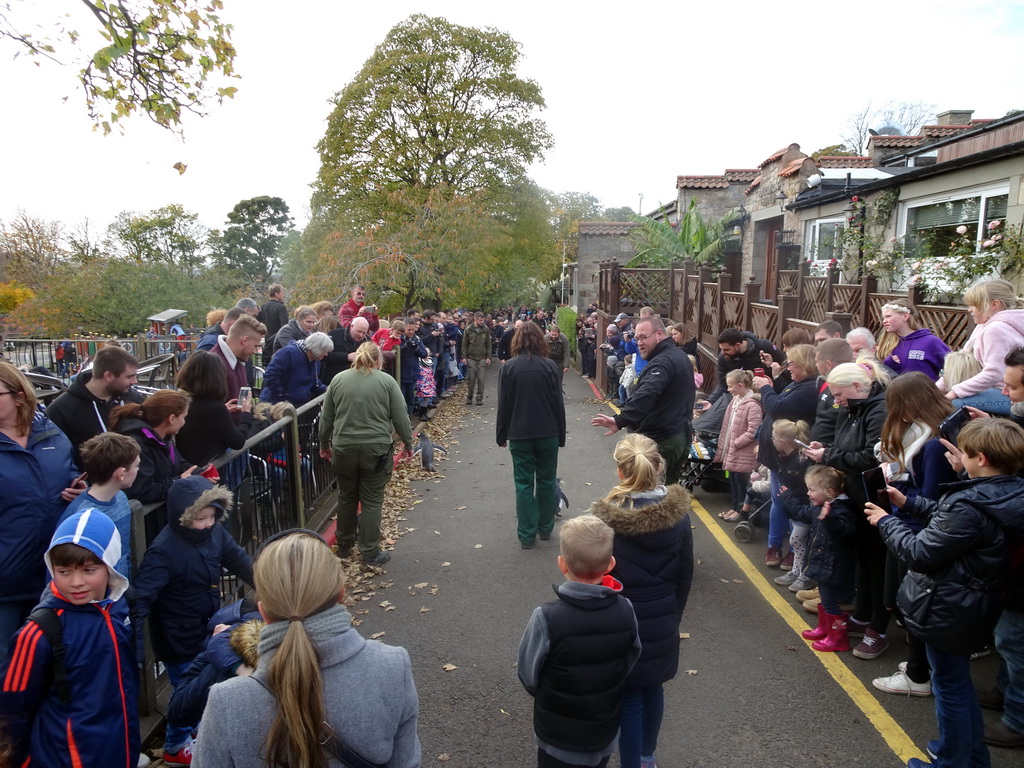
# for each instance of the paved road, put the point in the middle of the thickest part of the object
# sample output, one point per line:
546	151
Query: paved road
757	695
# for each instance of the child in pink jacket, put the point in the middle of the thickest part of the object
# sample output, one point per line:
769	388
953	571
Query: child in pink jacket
737	445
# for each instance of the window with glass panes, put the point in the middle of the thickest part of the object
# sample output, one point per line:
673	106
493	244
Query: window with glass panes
931	226
823	239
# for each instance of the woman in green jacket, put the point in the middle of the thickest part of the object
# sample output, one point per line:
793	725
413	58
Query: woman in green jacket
363	408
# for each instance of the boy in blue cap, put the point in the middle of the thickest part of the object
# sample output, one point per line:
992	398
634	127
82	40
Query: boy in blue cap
70	686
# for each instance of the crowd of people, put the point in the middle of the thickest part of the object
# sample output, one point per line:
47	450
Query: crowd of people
886	470
75	469
888	474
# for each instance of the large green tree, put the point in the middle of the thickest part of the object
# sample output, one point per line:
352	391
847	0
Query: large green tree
250	245
156	57
169	235
428	248
437	104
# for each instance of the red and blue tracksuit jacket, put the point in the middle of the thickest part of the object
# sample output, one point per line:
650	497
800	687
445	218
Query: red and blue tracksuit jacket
100	725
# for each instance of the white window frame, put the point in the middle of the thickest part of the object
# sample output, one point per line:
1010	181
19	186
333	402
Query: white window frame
983	191
812	229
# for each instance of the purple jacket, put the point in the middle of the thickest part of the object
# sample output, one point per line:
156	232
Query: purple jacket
920	350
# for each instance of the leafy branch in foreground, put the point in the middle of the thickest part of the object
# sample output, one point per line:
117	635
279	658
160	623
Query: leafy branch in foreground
158	57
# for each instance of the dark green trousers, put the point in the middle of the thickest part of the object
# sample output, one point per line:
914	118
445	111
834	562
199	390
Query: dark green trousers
363	472
534	467
674	451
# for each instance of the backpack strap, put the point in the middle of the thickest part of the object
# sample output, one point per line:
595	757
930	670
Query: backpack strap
333	743
53	628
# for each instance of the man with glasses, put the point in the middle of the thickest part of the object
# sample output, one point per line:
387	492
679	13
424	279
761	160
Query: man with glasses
662	401
357	307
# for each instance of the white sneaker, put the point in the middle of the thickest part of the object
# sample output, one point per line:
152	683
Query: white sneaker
900	684
787	579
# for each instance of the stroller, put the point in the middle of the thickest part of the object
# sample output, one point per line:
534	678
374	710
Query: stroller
758	518
699	467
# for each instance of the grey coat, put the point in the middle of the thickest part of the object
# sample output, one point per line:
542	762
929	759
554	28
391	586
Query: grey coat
370	699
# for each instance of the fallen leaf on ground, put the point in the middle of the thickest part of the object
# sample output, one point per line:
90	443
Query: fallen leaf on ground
724	581
377	635
424	609
589	483
691	671
684	635
459	509
737	581
438	533
445	564
449	667
421	585
385	604
504	712
479	546
444	757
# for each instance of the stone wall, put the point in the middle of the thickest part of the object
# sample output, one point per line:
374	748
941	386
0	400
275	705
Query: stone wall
599	241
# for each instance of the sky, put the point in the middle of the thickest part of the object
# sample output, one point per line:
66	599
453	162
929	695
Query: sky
636	95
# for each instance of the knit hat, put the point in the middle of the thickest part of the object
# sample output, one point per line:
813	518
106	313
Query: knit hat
94	531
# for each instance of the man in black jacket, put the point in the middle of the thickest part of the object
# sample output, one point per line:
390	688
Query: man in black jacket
739	351
661	405
274	315
81	412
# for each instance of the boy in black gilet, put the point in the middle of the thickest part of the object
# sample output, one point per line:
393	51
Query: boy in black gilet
577	651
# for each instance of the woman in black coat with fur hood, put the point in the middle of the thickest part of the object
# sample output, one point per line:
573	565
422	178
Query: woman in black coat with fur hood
654	561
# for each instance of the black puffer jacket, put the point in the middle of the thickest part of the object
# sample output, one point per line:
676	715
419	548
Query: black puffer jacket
858	428
959	564
654	561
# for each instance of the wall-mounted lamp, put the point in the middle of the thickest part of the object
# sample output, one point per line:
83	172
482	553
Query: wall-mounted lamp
781	198
741	218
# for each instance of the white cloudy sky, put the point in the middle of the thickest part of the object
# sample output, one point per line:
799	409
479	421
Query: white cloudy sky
636	94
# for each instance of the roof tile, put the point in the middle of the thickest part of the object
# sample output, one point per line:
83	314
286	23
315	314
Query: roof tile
607	227
774	156
842	161
701	182
897	141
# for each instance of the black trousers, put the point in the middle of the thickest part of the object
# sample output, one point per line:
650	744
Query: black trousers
544	760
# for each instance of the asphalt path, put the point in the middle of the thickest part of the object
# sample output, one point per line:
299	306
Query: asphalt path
750	691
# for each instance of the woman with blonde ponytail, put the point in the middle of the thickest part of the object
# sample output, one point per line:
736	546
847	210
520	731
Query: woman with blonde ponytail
653	551
321	692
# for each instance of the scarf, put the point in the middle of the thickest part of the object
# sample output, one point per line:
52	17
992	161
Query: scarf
320	627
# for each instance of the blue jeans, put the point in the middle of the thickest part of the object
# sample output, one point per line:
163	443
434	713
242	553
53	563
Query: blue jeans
642	711
778	521
1010	644
957	712
991	401
178	735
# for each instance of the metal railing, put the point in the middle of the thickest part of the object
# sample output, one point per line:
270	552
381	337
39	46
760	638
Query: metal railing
279	481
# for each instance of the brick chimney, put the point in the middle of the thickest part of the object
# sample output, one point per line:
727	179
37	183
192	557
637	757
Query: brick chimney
955	117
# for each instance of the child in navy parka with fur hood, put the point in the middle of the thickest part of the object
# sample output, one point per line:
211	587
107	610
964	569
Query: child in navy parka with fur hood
178	583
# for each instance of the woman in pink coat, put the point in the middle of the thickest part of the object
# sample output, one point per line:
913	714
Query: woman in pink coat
998	329
737	445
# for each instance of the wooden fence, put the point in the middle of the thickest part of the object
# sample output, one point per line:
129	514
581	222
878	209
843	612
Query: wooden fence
706	302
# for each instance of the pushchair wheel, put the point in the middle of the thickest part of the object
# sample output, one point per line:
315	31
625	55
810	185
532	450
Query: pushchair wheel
743	532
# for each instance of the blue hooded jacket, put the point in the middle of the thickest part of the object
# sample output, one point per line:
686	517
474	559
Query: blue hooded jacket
33	478
99	725
178	583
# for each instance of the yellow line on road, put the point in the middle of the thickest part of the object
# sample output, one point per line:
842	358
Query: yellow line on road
897	739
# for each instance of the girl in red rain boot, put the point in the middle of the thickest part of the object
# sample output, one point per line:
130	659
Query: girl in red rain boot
831	560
